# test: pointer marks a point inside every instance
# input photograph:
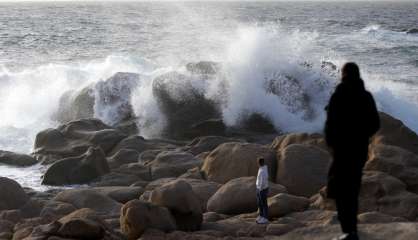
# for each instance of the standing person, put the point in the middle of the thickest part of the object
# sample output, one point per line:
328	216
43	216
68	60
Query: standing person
262	185
352	119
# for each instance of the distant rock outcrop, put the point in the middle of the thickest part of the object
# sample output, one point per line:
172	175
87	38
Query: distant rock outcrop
182	104
74	139
108	99
412	31
203	67
16	159
77	170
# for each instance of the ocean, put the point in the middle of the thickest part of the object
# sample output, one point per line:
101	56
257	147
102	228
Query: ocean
48	49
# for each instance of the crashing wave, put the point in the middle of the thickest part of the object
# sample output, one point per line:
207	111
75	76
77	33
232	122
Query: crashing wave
269	80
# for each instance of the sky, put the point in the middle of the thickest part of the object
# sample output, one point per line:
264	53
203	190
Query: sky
203	0
16	1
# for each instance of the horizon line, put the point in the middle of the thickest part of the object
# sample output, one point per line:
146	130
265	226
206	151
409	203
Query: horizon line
115	1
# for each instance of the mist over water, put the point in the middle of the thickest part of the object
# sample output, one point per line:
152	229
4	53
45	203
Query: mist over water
51	48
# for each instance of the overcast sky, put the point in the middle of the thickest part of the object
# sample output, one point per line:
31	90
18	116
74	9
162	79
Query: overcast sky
16	1
205	0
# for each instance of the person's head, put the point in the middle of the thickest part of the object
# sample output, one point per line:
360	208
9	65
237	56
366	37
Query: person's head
350	72
260	161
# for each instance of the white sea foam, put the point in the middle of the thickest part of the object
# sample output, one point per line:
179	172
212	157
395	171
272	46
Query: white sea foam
29	98
375	34
254	56
260	54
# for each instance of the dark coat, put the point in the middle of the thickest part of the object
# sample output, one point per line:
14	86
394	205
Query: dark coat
352	119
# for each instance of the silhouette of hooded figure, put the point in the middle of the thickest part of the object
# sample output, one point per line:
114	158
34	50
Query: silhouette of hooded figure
352	119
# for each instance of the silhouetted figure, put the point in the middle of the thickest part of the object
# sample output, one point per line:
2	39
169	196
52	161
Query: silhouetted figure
352	119
262	185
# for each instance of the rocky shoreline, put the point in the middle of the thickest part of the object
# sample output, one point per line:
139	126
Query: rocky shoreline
203	189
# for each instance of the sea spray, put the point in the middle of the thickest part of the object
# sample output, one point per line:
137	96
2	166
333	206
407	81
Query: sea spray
29	98
255	59
261	54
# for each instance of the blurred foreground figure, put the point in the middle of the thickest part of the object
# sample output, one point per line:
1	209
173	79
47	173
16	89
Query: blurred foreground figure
352	119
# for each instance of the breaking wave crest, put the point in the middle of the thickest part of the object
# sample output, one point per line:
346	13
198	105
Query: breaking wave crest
265	70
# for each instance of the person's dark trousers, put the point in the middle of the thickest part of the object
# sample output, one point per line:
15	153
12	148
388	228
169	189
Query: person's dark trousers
347	186
262	202
347	206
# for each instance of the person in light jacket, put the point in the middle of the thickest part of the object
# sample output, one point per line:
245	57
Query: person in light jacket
262	191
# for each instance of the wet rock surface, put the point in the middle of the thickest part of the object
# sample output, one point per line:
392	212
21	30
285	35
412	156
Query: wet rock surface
137	188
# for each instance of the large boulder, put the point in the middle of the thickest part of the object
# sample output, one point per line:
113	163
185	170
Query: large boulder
302	169
16	159
137	169
183	203
6	227
394	132
203	190
207	143
113	97
108	99
73	139
77	170
194	173
172	164
235	159
213	126
141	146
56	210
137	216
123	156
135	143
32	208
397	162
182	103
203	67
88	198
12	194
81	224
283	203
76	104
158	183
115	179
382	193
386	194
255	123
239	196
285	140
120	194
